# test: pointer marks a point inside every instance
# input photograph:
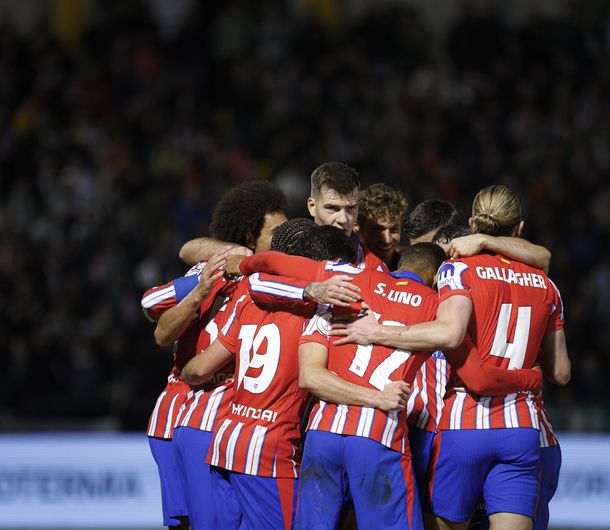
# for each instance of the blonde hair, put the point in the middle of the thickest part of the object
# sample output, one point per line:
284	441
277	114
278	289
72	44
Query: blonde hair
496	210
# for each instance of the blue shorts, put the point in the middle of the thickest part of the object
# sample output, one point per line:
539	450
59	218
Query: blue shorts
191	448
501	466
421	442
550	459
173	497
378	480
264	503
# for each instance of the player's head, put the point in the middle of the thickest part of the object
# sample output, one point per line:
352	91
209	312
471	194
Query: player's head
248	214
381	211
496	211
446	233
334	196
427	217
287	237
327	243
423	259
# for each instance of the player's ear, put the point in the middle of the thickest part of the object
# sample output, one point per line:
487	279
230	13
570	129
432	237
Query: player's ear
311	206
471	223
250	241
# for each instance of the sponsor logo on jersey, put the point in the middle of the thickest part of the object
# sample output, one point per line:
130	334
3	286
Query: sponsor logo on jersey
254	413
450	275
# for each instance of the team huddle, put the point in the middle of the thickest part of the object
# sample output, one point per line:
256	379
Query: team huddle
323	373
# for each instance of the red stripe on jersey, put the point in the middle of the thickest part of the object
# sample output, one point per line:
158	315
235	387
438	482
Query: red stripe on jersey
464	410
426	400
547	436
163	417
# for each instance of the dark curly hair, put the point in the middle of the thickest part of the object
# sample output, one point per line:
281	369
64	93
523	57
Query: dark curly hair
287	237
448	232
241	211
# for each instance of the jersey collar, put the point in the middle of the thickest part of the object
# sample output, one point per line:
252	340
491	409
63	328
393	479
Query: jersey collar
407	274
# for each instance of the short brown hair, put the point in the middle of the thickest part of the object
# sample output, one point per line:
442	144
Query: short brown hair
381	203
335	176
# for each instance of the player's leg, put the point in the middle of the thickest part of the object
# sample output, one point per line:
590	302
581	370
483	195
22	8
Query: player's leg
511	486
266	503
382	485
550	461
459	465
226	501
192	445
323	487
173	497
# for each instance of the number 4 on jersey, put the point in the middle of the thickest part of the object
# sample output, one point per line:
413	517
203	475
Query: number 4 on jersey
515	351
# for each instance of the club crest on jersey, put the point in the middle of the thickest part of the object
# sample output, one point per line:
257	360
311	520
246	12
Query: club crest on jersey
324	323
450	275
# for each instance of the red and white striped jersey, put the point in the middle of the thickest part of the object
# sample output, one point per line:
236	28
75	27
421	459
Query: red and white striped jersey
397	299
365	259
260	432
426	400
163	417
514	305
547	436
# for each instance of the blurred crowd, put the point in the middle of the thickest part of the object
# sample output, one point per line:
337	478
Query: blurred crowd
115	148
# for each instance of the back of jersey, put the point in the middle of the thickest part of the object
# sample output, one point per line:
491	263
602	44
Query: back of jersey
260	433
394	301
514	305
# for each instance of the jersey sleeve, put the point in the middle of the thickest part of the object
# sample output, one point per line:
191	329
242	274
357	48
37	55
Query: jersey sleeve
555	321
159	299
453	277
281	265
318	327
282	292
229	333
488	380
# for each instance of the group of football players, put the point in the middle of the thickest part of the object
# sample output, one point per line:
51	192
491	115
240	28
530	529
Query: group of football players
322	372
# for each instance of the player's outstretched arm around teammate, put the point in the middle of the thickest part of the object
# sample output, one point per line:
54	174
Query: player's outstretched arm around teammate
174	321
316	378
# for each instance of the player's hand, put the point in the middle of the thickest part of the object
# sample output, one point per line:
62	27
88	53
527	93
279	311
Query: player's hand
337	290
537	388
212	272
464	246
231	266
359	331
394	396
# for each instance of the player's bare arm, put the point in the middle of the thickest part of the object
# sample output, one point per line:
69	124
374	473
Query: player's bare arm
446	332
554	359
203	248
328	386
511	247
174	321
203	366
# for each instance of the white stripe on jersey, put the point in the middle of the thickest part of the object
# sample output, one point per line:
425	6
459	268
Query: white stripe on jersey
482	413
441	385
155	415
457	409
230	455
533	413
344	268
544	439
423	417
229	322
253	457
217	440
339	419
270	287
168	424
511	419
318	417
390	428
187	416
560	299
365	421
157	296
211	409
412	397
